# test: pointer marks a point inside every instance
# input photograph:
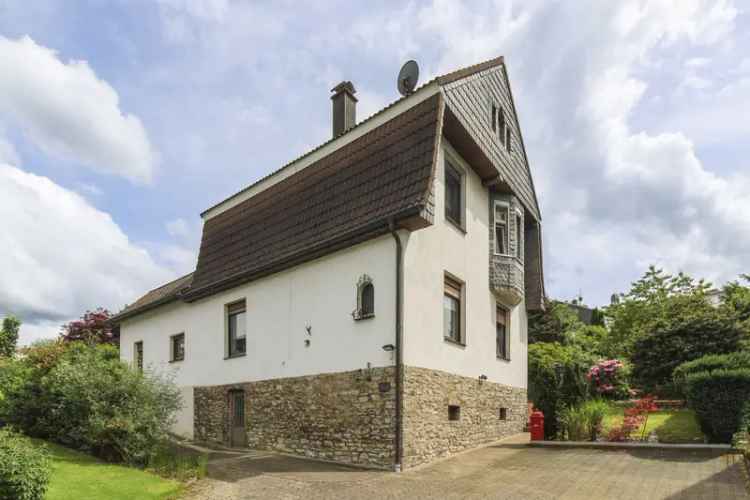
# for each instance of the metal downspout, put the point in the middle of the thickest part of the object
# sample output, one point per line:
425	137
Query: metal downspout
399	441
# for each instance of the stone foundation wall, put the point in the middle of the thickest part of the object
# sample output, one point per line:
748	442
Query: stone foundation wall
347	417
428	432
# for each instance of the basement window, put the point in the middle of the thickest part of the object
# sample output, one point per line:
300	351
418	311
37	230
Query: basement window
503	414
454	412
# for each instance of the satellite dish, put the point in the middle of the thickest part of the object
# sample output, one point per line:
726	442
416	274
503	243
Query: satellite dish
407	77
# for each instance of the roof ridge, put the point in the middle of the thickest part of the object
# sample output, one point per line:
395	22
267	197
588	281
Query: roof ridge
440	79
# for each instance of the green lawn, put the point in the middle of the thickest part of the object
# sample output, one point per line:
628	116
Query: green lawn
671	426
77	476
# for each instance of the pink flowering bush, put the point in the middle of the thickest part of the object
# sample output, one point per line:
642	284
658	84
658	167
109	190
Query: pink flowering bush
609	378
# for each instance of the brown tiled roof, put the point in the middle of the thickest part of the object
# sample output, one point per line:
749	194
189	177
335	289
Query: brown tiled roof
354	190
346	197
157	296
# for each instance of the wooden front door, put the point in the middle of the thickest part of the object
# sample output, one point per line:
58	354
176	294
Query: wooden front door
237	434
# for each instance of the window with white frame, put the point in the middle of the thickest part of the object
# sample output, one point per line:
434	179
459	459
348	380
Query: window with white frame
501	228
236	329
177	347
452	307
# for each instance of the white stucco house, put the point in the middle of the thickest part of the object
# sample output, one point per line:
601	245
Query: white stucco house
367	302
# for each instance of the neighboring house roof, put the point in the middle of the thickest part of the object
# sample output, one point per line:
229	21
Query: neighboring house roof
378	174
156	297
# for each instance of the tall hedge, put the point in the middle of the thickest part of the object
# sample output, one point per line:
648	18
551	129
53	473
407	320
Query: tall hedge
720	399
24	468
557	379
712	362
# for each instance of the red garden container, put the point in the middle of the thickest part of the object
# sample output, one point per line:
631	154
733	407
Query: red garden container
537	426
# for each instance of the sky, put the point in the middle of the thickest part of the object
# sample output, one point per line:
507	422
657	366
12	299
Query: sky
120	121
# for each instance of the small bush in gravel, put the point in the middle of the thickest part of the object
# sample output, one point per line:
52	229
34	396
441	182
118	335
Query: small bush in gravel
24	467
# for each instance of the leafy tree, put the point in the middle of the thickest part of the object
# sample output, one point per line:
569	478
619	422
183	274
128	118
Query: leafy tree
557	380
655	301
93	328
551	324
9	336
680	336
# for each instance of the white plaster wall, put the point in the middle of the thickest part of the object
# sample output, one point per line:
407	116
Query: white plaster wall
429	253
321	293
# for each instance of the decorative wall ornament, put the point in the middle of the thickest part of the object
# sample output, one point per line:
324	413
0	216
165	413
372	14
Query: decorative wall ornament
365	299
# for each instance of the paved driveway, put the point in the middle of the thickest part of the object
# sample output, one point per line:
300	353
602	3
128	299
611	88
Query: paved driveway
507	471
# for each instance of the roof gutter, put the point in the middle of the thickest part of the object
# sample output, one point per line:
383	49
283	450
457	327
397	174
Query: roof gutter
398	373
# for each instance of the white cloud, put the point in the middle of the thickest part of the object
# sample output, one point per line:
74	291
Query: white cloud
614	198
74	258
8	153
177	227
67	111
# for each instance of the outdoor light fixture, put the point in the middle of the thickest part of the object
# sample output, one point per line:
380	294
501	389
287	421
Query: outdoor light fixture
389	348
482	378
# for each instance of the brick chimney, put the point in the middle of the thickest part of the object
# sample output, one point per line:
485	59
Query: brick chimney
344	107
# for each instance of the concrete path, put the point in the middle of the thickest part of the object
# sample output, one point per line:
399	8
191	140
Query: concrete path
505	471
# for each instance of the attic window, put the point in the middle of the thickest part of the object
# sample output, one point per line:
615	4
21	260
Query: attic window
494	117
365	299
500	123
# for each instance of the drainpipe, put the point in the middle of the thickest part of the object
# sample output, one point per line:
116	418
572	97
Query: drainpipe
399	441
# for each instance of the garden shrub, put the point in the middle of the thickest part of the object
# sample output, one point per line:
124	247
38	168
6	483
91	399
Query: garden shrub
84	397
609	378
24	467
584	421
557	380
719	398
634	417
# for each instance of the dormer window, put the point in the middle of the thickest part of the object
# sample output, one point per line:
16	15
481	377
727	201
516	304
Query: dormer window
365	299
501	228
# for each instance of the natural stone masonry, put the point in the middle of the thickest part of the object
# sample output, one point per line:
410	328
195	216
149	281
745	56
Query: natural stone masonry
428	432
347	417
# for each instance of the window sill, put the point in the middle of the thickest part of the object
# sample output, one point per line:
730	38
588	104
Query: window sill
504	358
454	342
456	225
363	317
177	360
238	355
